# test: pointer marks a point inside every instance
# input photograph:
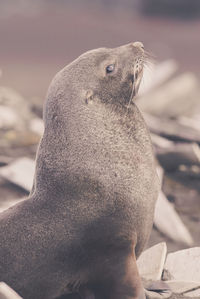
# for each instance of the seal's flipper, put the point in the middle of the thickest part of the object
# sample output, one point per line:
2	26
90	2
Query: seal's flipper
123	282
130	286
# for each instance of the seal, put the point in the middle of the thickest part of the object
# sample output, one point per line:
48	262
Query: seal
91	209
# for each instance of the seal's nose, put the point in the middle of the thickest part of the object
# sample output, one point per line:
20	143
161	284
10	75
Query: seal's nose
138	45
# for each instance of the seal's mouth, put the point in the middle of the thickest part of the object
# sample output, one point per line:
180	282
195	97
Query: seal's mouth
137	74
136	79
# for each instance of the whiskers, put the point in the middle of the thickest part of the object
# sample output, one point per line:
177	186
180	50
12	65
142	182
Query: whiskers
132	94
149	63
149	60
149	57
146	62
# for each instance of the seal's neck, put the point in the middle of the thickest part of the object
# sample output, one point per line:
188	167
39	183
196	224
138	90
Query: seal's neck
80	139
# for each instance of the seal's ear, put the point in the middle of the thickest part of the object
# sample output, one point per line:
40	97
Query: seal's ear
89	96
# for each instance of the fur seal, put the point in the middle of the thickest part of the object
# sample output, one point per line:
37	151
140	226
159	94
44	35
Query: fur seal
91	209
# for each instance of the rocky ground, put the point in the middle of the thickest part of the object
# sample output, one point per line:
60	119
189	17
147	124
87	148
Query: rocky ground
176	142
46	41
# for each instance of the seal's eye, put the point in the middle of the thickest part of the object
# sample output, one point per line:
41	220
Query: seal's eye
110	68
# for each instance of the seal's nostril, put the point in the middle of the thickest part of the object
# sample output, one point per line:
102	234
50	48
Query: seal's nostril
139	45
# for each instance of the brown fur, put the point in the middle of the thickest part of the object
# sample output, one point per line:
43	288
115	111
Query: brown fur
90	212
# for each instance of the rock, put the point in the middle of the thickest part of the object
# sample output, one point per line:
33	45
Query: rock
37	126
157	295
169	223
160	172
20	172
171	99
151	262
178	154
156	75
4	205
36	105
4	160
158	286
17	104
18	126
183	188
183	265
7	293
161	141
15	138
192	122
180	287
171	129
193	294
8	118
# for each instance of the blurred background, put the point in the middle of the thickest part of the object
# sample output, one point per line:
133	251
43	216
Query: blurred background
39	37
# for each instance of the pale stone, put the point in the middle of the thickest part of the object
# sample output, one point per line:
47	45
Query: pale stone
151	262
7	293
161	142
167	220
171	99
156	75
183	265
156	295
13	100
20	172
180	287
193	294
4	205
160	172
37	126
8	118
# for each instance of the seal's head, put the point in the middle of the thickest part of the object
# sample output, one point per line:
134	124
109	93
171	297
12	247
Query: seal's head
86	98
112	75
